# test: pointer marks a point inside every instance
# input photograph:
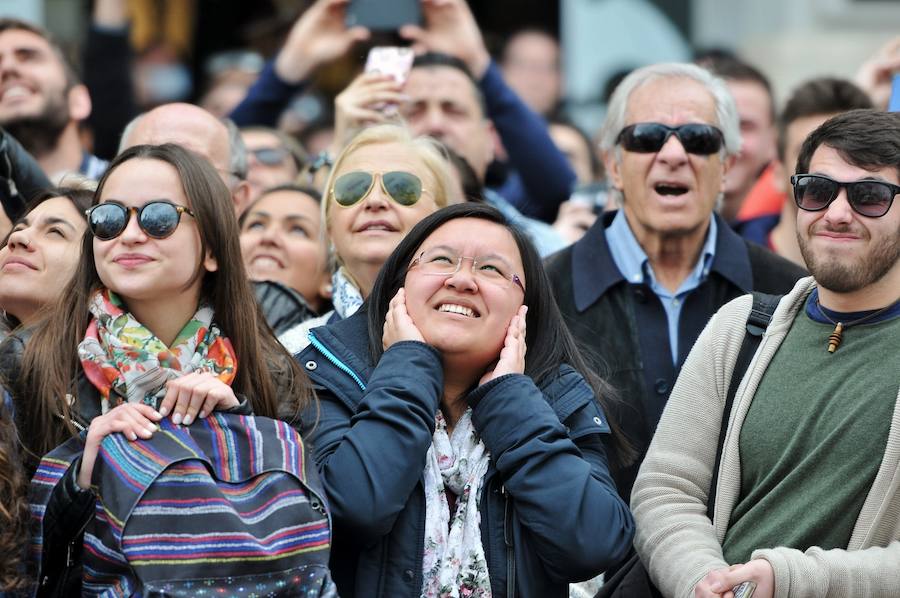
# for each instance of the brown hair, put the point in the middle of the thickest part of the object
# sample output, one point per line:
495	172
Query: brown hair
267	374
13	508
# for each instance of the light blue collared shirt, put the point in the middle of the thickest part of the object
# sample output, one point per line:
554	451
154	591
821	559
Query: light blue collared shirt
635	267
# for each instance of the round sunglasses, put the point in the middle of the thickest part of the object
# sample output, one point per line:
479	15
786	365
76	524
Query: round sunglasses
648	138
405	188
815	192
158	218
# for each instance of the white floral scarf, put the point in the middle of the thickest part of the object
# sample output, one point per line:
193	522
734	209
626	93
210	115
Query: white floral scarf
346	298
454	564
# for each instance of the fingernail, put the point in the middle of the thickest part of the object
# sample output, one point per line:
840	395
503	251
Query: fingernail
203	414
163	411
151	429
188	419
176	419
132	436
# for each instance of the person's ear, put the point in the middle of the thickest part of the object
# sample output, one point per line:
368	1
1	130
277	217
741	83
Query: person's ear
240	195
727	164
79	101
209	262
613	168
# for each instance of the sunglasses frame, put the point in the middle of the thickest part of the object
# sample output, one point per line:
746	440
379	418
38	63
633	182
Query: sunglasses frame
131	211
677	131
380	176
843	185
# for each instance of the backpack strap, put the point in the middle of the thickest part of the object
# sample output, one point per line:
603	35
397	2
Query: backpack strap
764	306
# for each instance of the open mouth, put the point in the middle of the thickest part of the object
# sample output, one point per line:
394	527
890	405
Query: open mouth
267	261
453	308
15	91
377	226
670	189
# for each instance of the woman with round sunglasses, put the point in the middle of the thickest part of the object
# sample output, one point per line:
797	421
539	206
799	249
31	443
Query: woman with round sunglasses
461	439
382	183
158	321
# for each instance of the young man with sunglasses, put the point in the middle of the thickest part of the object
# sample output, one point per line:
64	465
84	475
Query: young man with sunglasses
807	501
641	284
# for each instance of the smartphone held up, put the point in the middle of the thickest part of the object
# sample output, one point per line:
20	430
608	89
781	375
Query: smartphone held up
383	15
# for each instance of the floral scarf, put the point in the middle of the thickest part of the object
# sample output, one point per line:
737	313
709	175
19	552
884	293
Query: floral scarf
127	363
454	565
346	297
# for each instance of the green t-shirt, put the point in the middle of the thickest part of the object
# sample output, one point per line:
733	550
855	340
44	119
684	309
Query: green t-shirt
814	438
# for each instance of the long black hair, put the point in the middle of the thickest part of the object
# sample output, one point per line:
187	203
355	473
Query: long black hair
549	342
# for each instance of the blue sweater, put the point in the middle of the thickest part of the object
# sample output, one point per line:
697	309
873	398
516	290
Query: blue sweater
550	511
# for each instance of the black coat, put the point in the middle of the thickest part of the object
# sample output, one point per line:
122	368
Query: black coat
623	328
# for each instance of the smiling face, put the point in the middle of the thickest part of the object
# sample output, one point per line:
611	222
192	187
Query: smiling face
845	251
670	192
365	233
464	316
40	257
280	240
32	80
143	270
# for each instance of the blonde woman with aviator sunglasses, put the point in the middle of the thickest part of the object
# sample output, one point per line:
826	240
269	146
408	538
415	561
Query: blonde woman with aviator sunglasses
382	184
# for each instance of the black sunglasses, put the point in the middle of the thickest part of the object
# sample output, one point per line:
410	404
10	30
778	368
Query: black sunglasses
648	138
158	218
815	192
403	187
270	156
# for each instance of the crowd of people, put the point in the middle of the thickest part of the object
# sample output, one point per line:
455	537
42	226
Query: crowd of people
447	345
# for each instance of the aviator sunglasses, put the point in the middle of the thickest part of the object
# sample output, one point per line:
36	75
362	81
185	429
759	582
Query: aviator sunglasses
158	218
405	188
648	138
815	192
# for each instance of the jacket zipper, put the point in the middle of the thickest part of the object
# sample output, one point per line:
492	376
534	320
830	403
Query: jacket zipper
334	360
510	551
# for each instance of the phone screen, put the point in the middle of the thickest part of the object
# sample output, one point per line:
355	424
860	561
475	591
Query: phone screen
390	60
383	15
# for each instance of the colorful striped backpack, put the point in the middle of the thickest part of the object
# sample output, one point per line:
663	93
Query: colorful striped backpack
230	506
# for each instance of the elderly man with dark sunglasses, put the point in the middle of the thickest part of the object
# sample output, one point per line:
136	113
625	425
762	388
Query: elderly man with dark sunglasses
641	284
806	495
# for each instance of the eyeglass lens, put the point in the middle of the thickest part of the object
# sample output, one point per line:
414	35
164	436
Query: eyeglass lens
868	198
157	218
403	187
696	138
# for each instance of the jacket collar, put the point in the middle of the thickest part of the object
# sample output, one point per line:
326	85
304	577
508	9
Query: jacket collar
594	272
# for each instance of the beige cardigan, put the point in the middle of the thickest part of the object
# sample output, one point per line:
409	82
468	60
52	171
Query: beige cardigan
676	540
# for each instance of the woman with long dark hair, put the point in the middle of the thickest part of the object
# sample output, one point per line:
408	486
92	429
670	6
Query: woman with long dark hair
461	455
158	321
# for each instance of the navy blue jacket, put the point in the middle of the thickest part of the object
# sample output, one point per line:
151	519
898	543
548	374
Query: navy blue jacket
549	508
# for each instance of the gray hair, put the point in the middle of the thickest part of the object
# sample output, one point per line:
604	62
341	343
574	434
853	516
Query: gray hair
237	150
726	110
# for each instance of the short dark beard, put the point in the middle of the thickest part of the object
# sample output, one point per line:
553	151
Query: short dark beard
848	278
40	134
